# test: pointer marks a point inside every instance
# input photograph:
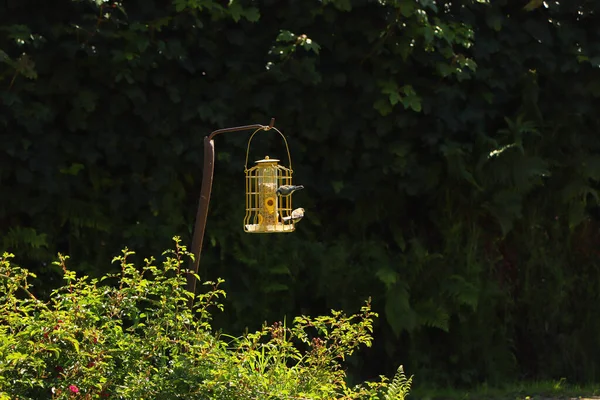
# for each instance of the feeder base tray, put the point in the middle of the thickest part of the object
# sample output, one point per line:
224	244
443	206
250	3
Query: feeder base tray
256	228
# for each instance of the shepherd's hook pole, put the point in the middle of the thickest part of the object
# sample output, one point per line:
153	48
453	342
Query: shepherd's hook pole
207	181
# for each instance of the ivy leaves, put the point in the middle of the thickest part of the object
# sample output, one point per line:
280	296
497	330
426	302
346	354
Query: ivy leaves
405	95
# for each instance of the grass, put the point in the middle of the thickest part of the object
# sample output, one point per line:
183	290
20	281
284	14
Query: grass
517	391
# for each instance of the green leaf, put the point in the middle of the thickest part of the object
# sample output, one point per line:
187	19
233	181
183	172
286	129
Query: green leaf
236	10
275	287
407	8
280	270
576	214
388	276
337	186
506	207
4	57
398	312
16	356
433	315
74	342
465	292
399	238
309	45
383	106
395	98
73	169
285	36
180	5
252	14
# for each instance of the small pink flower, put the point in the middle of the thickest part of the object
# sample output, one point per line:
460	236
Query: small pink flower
74	389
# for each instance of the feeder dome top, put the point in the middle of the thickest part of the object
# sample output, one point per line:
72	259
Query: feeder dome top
267	160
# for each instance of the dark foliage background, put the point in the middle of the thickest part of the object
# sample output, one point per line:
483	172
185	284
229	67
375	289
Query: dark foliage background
449	152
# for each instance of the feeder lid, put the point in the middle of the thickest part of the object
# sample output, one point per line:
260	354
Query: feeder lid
267	160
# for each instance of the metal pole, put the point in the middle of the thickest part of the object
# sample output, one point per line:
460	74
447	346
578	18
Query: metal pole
207	181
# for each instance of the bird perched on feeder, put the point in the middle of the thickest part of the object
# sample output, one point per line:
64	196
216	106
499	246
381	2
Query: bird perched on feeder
286	190
296	216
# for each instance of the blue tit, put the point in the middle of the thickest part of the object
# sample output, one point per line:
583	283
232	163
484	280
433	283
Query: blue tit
296	216
286	190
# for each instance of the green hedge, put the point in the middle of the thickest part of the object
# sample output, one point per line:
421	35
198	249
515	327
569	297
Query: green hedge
142	338
448	149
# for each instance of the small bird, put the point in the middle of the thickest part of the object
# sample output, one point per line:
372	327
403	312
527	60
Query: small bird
286	190
296	216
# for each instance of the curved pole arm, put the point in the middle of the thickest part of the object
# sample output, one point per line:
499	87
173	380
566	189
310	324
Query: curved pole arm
242	128
207	181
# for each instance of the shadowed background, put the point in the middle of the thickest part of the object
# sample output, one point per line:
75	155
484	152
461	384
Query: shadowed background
449	154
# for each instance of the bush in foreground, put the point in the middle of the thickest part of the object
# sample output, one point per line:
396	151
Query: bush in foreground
135	335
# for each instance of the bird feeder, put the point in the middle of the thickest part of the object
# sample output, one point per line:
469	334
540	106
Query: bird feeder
266	210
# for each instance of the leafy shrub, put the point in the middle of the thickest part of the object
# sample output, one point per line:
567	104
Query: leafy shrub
137	335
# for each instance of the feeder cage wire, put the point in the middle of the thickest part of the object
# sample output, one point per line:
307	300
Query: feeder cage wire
266	211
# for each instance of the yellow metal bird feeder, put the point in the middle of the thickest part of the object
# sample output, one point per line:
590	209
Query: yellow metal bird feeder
266	210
